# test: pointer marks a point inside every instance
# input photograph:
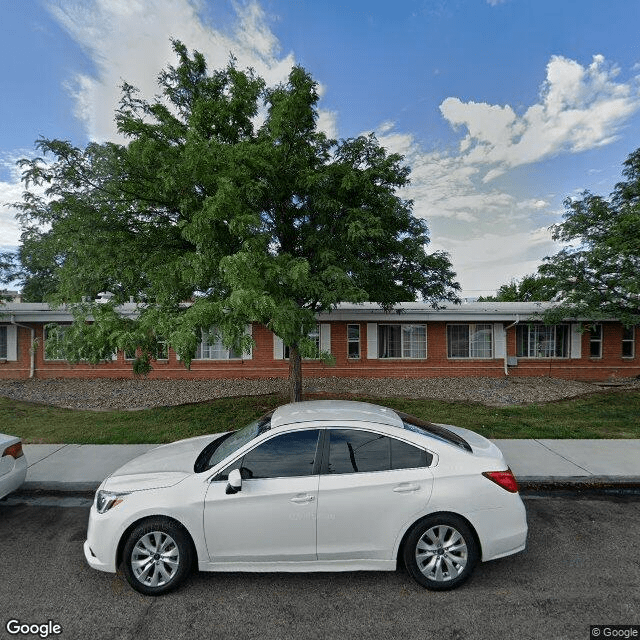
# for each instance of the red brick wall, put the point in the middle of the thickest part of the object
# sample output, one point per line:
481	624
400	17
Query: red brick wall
263	365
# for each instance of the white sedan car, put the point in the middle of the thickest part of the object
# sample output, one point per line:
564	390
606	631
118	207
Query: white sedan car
313	486
13	464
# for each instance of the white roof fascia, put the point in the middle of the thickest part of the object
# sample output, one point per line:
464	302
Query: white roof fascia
424	312
42	312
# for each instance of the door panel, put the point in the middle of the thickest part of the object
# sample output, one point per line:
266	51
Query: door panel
360	515
268	520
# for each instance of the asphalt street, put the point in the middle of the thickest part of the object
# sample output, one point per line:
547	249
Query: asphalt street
582	567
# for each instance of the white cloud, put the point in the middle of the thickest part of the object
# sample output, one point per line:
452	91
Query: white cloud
10	192
129	40
580	108
328	122
491	233
491	259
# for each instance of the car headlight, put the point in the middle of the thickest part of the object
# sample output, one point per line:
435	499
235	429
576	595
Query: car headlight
105	500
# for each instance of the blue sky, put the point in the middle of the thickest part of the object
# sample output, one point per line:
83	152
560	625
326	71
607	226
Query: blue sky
502	108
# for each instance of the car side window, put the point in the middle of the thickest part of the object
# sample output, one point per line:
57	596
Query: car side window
287	455
353	451
406	456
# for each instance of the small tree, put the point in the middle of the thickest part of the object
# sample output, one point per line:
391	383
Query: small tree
599	274
530	288
226	196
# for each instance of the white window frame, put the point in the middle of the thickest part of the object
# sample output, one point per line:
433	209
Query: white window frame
535	349
473	329
314	334
631	340
321	333
405	348
351	341
210	347
4	342
61	328
164	346
595	339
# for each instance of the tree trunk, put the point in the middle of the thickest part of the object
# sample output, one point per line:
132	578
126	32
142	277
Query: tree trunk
295	374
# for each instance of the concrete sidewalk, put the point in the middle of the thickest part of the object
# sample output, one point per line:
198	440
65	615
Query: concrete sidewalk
78	468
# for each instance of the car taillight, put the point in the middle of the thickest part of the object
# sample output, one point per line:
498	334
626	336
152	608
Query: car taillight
505	479
15	450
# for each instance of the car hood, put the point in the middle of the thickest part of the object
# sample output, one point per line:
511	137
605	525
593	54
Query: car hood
162	466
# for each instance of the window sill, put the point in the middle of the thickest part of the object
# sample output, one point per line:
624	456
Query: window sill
472	359
546	358
215	360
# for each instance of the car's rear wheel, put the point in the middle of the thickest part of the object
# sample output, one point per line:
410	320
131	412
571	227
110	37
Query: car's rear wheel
441	552
156	556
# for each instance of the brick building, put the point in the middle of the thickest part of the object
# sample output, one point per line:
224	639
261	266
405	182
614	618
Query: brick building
478	339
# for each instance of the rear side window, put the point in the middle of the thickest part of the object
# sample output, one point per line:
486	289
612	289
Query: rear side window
406	456
353	451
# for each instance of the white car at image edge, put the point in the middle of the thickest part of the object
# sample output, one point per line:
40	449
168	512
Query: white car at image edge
313	486
13	464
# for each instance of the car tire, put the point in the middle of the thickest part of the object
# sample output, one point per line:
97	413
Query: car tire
441	552
156	556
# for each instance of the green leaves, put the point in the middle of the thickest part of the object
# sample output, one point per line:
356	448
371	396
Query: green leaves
213	216
598	273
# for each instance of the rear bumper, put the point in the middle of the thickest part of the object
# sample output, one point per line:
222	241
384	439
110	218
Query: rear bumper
502	532
14	478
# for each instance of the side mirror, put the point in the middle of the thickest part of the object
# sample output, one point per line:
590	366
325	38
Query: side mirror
235	482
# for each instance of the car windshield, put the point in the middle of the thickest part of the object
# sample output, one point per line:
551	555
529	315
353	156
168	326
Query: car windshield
225	447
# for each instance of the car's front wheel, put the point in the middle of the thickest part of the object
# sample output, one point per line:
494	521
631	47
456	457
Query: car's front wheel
441	552
156	556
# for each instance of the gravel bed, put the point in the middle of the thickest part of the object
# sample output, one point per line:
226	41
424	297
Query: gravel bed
105	394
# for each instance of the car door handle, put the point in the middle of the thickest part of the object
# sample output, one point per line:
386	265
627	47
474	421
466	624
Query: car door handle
406	488
302	499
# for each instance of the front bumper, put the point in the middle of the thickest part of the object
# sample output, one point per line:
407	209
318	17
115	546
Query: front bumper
93	561
103	534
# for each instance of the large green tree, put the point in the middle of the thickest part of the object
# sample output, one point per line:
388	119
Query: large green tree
598	273
226	206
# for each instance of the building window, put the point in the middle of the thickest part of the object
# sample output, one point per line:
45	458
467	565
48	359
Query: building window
4	343
53	336
469	341
628	342
211	348
542	341
162	352
353	340
595	341
130	354
402	341
314	335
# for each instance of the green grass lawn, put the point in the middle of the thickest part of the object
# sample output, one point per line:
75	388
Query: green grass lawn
603	415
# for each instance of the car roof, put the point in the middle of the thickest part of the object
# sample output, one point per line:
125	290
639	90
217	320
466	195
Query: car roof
333	410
